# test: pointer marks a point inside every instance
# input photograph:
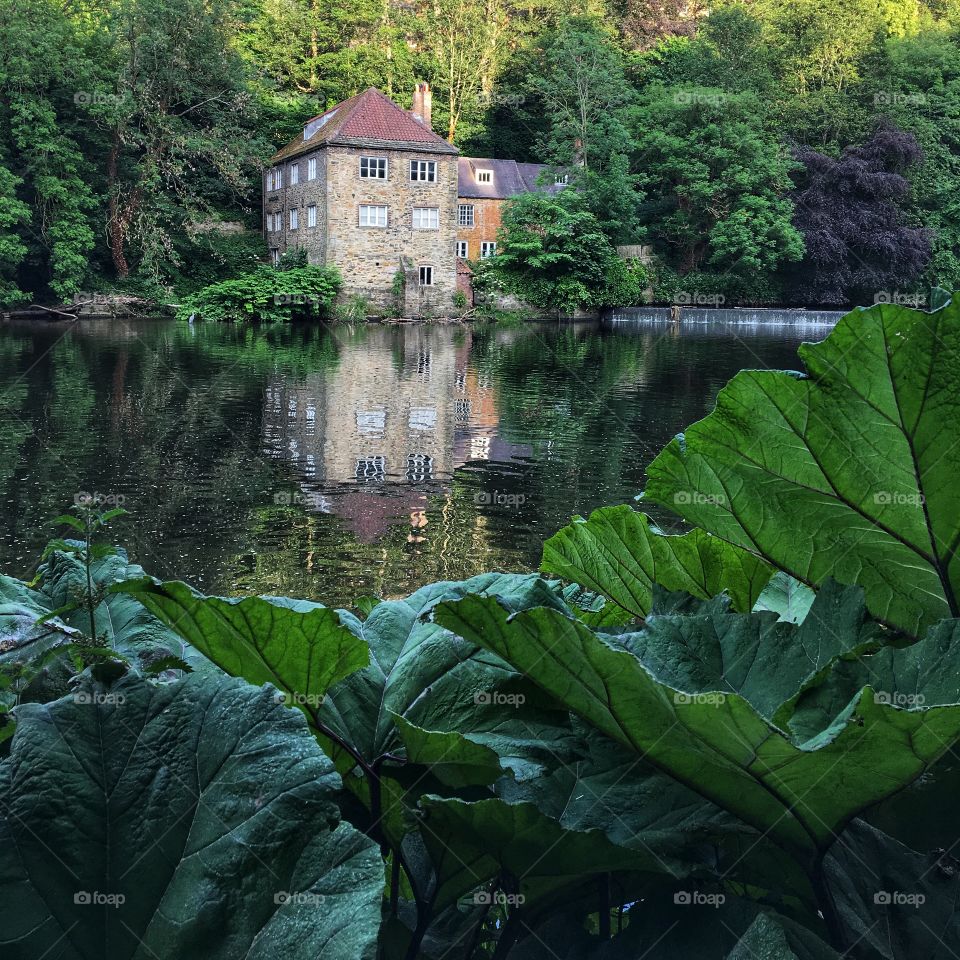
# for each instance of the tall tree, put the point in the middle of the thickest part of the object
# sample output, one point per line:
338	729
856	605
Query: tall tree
850	212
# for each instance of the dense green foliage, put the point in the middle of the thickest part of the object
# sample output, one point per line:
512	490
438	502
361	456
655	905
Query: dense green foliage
693	745
266	294
129	131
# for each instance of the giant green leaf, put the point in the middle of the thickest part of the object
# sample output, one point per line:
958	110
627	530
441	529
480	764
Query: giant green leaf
800	793
302	648
764	659
191	819
619	554
849	471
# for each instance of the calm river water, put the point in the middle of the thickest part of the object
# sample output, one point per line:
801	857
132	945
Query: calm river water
333	463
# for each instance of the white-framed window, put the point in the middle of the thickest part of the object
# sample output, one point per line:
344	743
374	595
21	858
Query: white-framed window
462	249
488	248
373	168
275	256
423	171
269	223
294	219
561	178
294	174
373	215
371	469
426	218
274	179
419	468
312	215
426	275
465	214
312	168
484	176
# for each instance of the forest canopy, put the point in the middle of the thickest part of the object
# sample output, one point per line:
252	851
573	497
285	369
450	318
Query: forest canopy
131	131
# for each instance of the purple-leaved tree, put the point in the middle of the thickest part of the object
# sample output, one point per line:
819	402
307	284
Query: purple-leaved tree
858	243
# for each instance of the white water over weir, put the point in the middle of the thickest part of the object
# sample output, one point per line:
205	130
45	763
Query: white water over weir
729	319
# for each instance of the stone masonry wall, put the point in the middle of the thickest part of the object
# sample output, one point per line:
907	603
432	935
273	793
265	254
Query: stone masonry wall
299	196
369	257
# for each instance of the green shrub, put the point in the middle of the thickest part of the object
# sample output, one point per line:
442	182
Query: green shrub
267	294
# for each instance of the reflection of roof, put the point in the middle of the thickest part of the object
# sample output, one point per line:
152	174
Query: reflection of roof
370	119
509	178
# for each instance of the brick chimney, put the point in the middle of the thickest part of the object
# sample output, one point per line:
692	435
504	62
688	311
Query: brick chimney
422	103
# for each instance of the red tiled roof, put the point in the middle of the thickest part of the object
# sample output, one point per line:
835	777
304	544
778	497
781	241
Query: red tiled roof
369	119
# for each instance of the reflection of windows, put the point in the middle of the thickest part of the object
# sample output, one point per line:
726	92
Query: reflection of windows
424	362
422	418
419	468
371	469
460	381
462	414
371	421
479	448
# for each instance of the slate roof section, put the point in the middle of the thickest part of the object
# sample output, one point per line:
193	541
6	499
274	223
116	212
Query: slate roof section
509	179
370	119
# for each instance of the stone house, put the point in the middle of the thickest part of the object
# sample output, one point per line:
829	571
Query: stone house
369	188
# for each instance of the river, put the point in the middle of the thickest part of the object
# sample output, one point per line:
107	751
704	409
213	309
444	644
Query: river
332	463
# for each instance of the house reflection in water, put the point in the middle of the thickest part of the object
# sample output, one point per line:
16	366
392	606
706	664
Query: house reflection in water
370	439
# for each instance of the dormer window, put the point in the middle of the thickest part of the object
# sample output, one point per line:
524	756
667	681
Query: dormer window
484	176
317	122
561	178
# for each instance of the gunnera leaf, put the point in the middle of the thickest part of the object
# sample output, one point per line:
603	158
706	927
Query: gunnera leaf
191	819
849	471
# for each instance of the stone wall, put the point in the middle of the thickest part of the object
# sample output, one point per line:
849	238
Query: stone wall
299	196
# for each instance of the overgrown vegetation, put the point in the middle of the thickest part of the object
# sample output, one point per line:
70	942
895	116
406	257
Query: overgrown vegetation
132	133
732	742
266	294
